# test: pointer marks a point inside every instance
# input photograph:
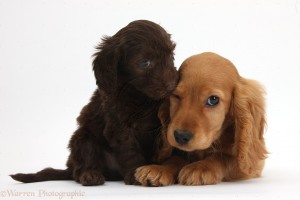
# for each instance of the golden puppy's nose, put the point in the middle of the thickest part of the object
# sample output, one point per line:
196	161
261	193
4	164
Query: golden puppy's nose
182	137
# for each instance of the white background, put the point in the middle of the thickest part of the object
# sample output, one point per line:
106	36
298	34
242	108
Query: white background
46	78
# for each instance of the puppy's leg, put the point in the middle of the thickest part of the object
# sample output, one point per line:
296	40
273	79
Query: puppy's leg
128	154
160	175
211	170
86	158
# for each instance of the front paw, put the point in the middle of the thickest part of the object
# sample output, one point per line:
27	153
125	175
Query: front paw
129	178
90	178
200	173
154	175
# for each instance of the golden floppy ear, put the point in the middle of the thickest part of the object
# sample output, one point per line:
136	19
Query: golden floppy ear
164	150
249	114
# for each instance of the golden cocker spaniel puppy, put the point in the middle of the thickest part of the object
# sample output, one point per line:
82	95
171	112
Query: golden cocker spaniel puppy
213	127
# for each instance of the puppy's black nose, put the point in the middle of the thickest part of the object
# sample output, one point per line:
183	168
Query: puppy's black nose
182	136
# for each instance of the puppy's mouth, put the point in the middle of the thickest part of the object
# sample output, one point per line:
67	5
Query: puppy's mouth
155	90
190	147
161	93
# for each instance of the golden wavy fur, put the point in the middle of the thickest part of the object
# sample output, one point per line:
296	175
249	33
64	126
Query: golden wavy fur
216	118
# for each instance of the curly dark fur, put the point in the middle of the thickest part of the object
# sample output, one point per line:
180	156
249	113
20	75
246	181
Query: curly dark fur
117	129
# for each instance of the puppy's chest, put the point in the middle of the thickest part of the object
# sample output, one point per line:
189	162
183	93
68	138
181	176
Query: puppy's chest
145	125
142	119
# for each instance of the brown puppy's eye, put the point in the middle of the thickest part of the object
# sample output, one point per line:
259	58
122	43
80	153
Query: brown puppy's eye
212	101
145	64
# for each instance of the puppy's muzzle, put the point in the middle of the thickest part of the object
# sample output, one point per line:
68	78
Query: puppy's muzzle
182	137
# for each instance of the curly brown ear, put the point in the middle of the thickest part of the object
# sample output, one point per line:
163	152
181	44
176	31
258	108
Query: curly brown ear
249	113
105	65
164	150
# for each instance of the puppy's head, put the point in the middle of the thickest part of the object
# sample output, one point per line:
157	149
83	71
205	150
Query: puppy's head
201	101
139	55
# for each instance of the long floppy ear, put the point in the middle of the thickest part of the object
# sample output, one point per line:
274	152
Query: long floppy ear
164	150
249	113
105	65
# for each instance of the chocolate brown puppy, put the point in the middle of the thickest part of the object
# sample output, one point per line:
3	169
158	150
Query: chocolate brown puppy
117	130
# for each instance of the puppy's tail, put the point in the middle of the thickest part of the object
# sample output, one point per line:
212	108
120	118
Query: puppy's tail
48	174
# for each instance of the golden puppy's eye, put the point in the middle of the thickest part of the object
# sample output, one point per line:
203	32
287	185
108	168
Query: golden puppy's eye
212	101
176	96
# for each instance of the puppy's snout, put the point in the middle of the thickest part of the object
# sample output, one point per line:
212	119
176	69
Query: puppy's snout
182	136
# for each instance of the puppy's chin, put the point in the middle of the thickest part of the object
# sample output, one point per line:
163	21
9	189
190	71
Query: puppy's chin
190	146
157	94
155	90
184	148
160	92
